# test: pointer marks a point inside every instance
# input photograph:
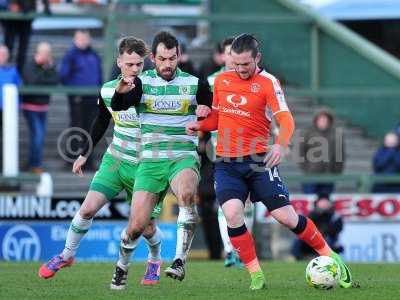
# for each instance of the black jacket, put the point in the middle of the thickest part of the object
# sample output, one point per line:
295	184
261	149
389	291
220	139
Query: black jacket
323	151
35	74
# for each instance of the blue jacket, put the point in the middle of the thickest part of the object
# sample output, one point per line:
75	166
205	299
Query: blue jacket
81	67
8	74
387	161
4	4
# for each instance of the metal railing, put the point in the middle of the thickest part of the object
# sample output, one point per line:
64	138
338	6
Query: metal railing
363	182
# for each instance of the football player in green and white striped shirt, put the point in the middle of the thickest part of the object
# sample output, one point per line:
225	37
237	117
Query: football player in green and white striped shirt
116	173
167	99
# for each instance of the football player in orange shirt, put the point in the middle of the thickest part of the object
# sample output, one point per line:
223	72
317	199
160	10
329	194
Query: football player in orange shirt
243	99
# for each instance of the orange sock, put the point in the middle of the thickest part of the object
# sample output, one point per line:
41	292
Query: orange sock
314	239
244	246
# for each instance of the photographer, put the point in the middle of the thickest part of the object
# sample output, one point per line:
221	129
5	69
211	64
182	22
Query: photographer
386	161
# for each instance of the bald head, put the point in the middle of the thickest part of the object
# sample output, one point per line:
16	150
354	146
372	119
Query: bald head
43	47
43	54
4	55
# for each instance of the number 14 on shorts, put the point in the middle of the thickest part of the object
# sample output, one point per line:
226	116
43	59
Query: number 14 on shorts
273	173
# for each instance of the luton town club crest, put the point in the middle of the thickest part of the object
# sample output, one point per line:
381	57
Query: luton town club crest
255	87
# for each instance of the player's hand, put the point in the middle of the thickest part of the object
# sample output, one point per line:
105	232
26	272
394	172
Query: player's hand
192	128
125	84
202	111
78	164
274	156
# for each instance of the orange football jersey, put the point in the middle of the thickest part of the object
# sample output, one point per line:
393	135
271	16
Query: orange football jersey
245	108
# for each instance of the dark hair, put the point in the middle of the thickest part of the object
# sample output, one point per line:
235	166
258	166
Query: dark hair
167	39
131	44
218	48
226	42
246	42
323	195
183	48
82	31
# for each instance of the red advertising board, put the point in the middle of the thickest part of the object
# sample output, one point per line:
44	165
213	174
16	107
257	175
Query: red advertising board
353	207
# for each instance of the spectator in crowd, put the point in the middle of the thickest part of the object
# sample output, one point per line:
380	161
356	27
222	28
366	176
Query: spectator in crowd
329	223
184	61
8	74
41	71
20	28
81	66
322	152
213	64
207	204
387	162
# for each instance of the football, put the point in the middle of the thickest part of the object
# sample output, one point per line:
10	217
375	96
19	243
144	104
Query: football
322	273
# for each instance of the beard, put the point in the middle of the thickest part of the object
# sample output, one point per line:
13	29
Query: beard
166	75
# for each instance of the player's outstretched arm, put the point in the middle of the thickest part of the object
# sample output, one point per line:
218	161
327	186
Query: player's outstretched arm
192	128
78	164
202	111
97	130
127	93
211	122
204	95
208	124
207	110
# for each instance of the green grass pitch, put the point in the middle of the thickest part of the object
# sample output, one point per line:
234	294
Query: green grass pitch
204	280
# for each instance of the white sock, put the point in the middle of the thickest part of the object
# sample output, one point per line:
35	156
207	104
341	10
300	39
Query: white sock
223	230
154	245
126	248
249	215
186	225
76	232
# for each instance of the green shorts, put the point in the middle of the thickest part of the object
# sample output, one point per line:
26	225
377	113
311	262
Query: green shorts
156	176
114	176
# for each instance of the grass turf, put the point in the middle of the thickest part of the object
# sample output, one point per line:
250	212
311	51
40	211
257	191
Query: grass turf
204	280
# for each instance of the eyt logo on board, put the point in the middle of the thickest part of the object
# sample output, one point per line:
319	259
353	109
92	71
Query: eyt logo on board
21	243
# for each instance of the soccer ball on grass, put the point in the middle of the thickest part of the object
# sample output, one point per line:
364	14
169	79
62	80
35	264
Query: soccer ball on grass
322	273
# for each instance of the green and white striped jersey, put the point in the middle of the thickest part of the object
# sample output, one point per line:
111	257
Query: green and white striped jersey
126	137
211	78
165	108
